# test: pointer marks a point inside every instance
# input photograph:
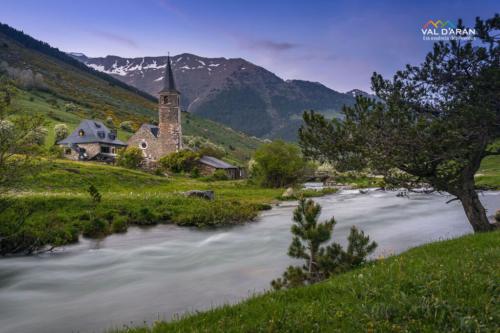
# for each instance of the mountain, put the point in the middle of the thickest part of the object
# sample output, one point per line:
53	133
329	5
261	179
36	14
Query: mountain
65	90
235	92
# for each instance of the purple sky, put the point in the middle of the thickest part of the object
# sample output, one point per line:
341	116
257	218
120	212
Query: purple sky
338	43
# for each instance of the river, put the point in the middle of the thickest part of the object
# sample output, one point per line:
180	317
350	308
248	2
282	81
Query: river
154	273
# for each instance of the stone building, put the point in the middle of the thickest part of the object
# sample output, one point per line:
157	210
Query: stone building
91	140
209	164
158	141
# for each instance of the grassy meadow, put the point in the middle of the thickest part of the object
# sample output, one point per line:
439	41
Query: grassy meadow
447	286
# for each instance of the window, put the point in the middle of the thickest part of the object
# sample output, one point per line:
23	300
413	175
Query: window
67	151
81	132
113	151
165	99
101	134
143	145
105	150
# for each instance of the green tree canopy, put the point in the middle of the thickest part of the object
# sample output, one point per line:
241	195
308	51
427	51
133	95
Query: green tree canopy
278	164
435	124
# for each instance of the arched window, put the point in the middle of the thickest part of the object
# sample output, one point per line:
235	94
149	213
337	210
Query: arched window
81	132
165	99
143	145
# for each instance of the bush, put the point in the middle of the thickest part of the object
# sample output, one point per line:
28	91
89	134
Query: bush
181	161
60	132
277	164
56	152
220	175
119	224
131	158
95	228
127	126
144	216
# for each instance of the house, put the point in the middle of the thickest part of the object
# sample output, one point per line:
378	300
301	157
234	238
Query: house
209	164
91	140
158	141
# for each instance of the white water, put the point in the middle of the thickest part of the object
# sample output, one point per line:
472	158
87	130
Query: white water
154	273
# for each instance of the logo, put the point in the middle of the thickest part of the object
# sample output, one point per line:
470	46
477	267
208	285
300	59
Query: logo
446	30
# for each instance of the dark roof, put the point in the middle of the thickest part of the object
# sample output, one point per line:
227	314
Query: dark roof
168	80
153	128
216	163
93	132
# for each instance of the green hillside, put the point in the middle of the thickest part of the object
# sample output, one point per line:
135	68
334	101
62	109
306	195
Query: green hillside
50	82
448	286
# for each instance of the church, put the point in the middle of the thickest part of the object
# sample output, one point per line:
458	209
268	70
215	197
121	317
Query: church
158	141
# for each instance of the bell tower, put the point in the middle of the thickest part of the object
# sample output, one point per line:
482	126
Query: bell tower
170	131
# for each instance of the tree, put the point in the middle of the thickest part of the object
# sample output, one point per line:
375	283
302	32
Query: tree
181	161
320	262
131	157
20	140
61	131
278	164
127	126
435	124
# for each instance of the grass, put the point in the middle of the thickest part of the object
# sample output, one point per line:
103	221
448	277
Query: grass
56	208
489	174
447	286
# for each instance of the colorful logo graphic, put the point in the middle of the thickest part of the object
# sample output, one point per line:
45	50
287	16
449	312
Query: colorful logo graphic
439	24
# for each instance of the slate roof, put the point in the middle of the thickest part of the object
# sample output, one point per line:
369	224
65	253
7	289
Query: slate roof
168	80
216	163
94	132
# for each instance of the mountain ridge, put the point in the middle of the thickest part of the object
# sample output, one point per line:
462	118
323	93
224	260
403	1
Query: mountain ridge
232	91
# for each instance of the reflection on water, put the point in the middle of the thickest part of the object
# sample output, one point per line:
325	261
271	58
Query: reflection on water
149	274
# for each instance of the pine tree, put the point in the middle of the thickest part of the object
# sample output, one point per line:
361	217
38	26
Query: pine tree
320	262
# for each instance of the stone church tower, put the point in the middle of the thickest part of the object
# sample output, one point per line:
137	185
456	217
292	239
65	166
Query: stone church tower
170	132
158	141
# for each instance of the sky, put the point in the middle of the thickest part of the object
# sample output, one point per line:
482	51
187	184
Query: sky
337	43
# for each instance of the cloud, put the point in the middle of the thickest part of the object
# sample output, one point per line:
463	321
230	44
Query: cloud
268	45
116	38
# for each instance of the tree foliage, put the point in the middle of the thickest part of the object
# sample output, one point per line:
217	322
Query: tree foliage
181	161
320	261
278	164
435	124
131	158
61	131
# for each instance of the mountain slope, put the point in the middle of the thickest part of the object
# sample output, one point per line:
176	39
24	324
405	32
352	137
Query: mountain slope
231	91
51	82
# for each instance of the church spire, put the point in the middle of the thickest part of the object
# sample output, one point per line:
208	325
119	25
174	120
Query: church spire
168	80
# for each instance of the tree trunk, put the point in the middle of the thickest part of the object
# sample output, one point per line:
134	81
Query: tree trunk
474	209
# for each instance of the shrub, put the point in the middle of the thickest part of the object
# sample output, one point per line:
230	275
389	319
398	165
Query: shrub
56	152
60	132
220	175
211	150
277	164
181	161
119	224
131	158
95	228
127	126
144	216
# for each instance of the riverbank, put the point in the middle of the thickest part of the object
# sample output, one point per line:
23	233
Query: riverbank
439	287
54	207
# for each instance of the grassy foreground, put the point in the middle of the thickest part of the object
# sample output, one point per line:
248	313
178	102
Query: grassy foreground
448	286
53	206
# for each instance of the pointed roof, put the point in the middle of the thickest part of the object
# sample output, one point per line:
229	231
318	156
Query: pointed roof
168	80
